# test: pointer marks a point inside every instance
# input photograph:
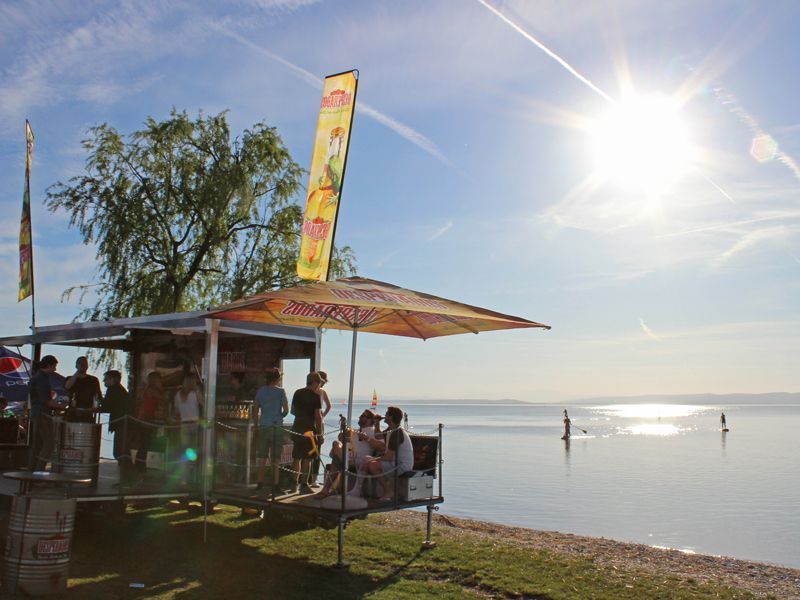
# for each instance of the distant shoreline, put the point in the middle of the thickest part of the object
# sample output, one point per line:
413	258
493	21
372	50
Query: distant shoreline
774	398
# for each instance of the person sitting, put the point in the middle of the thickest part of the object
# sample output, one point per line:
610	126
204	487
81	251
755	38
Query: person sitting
362	446
398	455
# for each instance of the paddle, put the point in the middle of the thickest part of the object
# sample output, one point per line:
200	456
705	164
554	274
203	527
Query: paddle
579	428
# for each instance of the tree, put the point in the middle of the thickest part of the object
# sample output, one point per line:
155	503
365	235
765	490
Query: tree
185	218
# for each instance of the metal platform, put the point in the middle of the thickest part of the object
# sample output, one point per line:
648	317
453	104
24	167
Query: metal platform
155	485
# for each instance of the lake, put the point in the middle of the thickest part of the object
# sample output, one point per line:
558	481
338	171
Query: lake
658	474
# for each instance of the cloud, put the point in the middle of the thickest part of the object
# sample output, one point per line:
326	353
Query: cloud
754	238
647	331
404	131
441	231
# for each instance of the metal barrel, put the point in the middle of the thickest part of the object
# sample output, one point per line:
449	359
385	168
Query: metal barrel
79	450
38	545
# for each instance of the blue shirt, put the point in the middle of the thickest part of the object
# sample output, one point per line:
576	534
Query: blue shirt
271	398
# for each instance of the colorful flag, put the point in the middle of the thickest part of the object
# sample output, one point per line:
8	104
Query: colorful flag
374	398
25	245
327	174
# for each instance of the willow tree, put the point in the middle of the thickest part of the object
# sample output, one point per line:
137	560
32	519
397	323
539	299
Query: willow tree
184	217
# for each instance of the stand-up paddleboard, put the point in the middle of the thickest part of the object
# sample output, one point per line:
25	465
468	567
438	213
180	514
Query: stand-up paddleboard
725	430
565	437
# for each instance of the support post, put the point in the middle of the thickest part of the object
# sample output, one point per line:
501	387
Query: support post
340	564
346	433
429	543
441	461
210	391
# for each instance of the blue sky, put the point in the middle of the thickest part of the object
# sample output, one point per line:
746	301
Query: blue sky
478	171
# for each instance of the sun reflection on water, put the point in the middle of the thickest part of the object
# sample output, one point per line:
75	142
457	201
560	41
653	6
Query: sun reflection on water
653	429
650	411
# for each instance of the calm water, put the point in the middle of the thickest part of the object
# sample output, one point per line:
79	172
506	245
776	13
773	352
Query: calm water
662	475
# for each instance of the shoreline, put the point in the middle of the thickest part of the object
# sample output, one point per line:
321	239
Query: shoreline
761	579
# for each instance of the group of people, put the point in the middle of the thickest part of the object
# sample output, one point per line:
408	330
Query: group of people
85	399
371	452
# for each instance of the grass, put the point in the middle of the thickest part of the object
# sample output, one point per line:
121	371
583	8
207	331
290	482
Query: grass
244	558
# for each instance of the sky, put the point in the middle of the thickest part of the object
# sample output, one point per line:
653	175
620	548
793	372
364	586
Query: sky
621	171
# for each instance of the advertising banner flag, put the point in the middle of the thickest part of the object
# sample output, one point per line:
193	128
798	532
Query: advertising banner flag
25	244
327	175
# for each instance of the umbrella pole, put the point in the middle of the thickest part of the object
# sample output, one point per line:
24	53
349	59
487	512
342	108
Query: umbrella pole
345	440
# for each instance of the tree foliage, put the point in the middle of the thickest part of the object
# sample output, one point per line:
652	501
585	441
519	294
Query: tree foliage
183	217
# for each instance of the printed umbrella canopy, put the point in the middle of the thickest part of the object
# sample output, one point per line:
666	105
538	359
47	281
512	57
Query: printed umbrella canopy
360	304
367	305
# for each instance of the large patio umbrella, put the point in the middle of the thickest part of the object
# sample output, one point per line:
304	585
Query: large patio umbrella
361	304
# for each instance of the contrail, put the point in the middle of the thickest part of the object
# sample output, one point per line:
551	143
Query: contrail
547	51
726	98
399	128
570	69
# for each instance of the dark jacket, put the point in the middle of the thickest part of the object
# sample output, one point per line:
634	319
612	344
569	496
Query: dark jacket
117	403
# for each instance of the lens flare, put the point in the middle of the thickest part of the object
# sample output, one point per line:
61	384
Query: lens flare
190	454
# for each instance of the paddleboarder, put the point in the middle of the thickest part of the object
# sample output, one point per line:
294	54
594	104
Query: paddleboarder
567	424
723	424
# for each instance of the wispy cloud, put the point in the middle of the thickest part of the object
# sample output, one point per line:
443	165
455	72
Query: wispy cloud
647	331
755	238
441	231
760	136
406	132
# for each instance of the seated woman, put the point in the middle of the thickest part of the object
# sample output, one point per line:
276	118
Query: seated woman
398	456
362	446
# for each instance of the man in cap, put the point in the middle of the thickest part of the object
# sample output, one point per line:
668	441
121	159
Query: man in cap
42	401
307	428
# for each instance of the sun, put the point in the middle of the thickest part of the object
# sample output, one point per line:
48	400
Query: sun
642	144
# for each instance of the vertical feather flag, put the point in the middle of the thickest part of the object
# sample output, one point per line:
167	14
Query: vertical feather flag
374	398
25	242
326	175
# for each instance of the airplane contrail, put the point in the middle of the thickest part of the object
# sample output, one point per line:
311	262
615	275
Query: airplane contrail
547	51
404	131
726	98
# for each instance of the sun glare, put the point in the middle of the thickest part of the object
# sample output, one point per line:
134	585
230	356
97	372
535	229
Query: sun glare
642	144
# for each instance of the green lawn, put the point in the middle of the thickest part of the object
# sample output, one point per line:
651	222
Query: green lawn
247	558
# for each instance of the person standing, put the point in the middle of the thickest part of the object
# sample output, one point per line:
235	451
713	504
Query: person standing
187	408
42	401
119	406
306	429
151	410
238	392
567	426
326	408
273	406
84	392
723	423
